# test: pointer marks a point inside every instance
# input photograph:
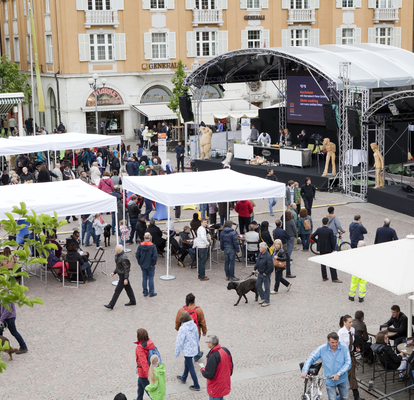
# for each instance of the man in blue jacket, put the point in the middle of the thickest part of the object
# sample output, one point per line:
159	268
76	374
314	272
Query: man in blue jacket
356	231
336	363
147	258
385	233
264	269
230	245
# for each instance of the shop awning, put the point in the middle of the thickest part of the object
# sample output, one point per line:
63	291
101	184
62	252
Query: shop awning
115	107
210	109
8	100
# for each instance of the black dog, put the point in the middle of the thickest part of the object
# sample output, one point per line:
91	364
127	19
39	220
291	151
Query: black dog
244	287
107	234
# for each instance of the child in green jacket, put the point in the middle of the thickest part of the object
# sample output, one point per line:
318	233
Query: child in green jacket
156	376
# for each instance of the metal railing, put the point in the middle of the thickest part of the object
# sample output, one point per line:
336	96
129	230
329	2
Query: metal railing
398	391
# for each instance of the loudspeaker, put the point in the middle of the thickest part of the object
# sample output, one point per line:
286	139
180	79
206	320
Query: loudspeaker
354	121
330	116
186	108
407	189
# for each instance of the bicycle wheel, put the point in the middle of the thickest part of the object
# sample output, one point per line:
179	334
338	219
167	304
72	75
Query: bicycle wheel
345	246
313	247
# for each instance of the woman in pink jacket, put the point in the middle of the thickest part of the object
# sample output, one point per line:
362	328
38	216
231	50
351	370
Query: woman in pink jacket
106	184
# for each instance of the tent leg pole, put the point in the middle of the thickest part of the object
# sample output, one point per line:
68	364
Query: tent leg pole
48	160
410	313
284	219
123	210
116	227
168	277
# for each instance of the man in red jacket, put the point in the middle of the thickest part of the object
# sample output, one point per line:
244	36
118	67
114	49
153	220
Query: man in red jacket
218	370
244	208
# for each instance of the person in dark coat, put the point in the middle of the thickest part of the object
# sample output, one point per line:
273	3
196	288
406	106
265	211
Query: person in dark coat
73	255
356	231
195	223
264	234
222	212
326	244
230	245
133	212
398	323
122	268
303	139
263	269
179	151
147	258
385	233
132	167
156	234
386	354
141	227
307	191
178	249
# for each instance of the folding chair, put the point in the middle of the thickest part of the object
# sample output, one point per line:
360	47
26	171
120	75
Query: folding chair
45	268
250	252
193	233
70	274
382	371
97	259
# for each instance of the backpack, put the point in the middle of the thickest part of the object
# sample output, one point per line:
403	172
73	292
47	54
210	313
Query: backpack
307	224
151	353
193	314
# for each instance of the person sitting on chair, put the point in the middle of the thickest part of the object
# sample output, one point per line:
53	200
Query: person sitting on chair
73	255
399	323
178	249
195	222
185	235
156	234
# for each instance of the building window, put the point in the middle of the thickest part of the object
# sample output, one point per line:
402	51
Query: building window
385	4
299	4
49	49
300	37
383	36
159	45
99	5
28	51
6	16
348	36
14	9
205	4
101	47
158	4
16	49
254	39
7	46
253	4
347	3
206	44
47	6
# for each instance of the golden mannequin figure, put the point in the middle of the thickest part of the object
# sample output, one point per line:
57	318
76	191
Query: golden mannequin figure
205	142
330	156
379	166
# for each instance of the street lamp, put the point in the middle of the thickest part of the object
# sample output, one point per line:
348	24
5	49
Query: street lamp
94	85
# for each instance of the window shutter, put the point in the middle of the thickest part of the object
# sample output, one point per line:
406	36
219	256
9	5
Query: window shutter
172	46
398	3
120	46
357	35
266	38
371	4
84	53
314	37
191	47
223	45
243	4
285	37
117	4
338	3
338	35
372	35
147	46
81	5
222	5
315	4
396	37
286	4
265	3
145	4
244	39
170	4
189	4
357	3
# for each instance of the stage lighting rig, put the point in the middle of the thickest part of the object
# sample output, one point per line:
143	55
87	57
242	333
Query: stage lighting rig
393	108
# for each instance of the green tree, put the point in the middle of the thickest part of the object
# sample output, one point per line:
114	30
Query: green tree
10	290
12	80
178	90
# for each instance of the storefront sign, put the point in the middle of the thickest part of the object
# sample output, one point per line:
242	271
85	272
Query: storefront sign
161	66
207	92
106	97
254	17
155	95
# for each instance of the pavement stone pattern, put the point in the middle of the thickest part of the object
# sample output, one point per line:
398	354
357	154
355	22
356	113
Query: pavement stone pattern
80	350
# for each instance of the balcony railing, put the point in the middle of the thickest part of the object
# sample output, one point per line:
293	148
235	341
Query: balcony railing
207	17
101	17
385	14
301	15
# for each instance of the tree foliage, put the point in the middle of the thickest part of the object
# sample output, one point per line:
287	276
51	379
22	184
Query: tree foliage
10	290
12	80
178	90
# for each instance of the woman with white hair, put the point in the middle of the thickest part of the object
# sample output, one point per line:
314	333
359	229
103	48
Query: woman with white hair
95	173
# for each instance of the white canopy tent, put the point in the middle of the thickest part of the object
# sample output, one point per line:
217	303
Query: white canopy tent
21	146
201	188
72	197
374	263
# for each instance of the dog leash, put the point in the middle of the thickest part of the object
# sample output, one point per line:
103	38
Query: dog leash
245	279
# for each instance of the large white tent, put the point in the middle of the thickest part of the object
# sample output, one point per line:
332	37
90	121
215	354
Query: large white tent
201	188
73	197
14	147
377	263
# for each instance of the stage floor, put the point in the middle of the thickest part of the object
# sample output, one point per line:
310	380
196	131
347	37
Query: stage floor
283	173
393	198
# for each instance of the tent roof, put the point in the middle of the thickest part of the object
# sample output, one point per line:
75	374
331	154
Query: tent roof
65	141
13	147
374	263
215	108
203	187
372	65
72	197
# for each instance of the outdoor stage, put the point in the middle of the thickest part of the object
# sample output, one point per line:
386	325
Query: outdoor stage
393	198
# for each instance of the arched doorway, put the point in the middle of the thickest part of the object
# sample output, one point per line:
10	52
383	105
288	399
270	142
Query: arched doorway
53	110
